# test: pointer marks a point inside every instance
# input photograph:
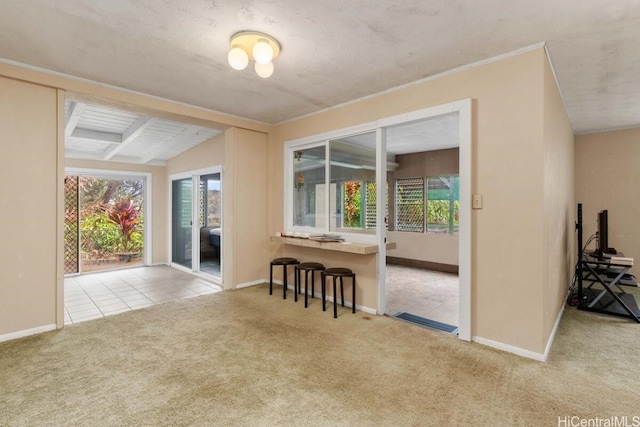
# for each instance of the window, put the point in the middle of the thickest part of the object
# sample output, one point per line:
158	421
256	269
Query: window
410	204
443	204
334	185
309	187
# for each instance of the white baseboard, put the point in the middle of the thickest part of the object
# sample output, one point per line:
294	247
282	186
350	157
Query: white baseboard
362	308
27	332
509	348
541	357
247	284
552	336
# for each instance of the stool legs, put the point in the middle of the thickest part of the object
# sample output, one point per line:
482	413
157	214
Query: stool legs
271	280
324	292
335	298
284	282
353	294
335	292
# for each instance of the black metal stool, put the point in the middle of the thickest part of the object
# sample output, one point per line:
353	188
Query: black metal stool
308	267
341	273
284	262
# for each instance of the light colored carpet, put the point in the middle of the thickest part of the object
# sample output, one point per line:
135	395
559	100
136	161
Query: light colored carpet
244	358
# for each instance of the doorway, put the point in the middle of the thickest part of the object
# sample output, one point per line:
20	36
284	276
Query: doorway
196	222
104	227
429	214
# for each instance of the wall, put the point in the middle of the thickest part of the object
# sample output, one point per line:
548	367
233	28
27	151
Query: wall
559	211
437	249
30	273
507	161
244	204
159	201
32	125
607	177
209	153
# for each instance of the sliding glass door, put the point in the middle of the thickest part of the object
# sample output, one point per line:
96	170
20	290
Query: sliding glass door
182	222
196	221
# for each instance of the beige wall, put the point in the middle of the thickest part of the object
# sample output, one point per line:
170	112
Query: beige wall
244	202
158	199
209	153
32	128
607	177
507	160
30	274
559	211
516	124
435	248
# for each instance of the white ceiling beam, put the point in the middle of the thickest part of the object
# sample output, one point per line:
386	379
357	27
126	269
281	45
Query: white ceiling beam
129	136
162	146
94	135
77	108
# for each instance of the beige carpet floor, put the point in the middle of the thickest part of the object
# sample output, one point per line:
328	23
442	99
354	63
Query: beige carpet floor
244	358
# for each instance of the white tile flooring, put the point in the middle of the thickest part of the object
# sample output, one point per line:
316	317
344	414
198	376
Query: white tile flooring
96	295
425	293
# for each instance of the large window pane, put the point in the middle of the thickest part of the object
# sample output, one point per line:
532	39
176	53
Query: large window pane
443	204
353	166
309	187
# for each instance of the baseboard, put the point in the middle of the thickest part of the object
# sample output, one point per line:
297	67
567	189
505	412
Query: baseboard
362	308
541	357
248	284
552	336
509	348
27	332
427	265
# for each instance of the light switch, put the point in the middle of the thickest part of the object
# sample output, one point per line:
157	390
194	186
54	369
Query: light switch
476	201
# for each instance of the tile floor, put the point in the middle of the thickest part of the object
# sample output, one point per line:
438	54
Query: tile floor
425	293
95	295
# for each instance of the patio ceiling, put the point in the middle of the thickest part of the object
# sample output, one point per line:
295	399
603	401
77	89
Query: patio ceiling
102	133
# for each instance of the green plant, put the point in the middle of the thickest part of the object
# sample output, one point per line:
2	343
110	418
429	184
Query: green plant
352	203
124	214
100	236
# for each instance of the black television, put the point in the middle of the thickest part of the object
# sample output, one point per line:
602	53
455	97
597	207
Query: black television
603	234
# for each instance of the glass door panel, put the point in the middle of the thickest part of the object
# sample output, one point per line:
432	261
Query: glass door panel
182	221
210	222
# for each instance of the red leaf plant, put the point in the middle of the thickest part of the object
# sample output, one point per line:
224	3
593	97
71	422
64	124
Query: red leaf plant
124	214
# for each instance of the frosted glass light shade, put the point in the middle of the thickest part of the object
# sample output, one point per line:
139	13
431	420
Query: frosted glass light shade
238	58
264	70
262	51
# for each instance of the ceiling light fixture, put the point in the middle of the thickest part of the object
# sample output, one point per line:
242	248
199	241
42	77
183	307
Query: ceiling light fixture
248	46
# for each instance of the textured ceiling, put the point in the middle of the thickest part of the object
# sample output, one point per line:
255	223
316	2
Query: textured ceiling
332	51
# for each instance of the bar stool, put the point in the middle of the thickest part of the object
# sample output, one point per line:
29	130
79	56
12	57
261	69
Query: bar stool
341	273
284	262
308	267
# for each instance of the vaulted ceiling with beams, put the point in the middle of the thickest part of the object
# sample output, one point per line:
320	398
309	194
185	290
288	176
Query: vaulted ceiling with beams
101	133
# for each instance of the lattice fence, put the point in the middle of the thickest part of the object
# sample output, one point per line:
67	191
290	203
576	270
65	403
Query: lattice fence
71	260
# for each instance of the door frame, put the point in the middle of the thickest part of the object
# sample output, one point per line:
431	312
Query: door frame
195	175
147	203
463	108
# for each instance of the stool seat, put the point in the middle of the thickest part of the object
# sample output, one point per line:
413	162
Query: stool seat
308	267
341	273
284	262
338	271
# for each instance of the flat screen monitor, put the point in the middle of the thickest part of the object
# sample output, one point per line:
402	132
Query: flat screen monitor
603	233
